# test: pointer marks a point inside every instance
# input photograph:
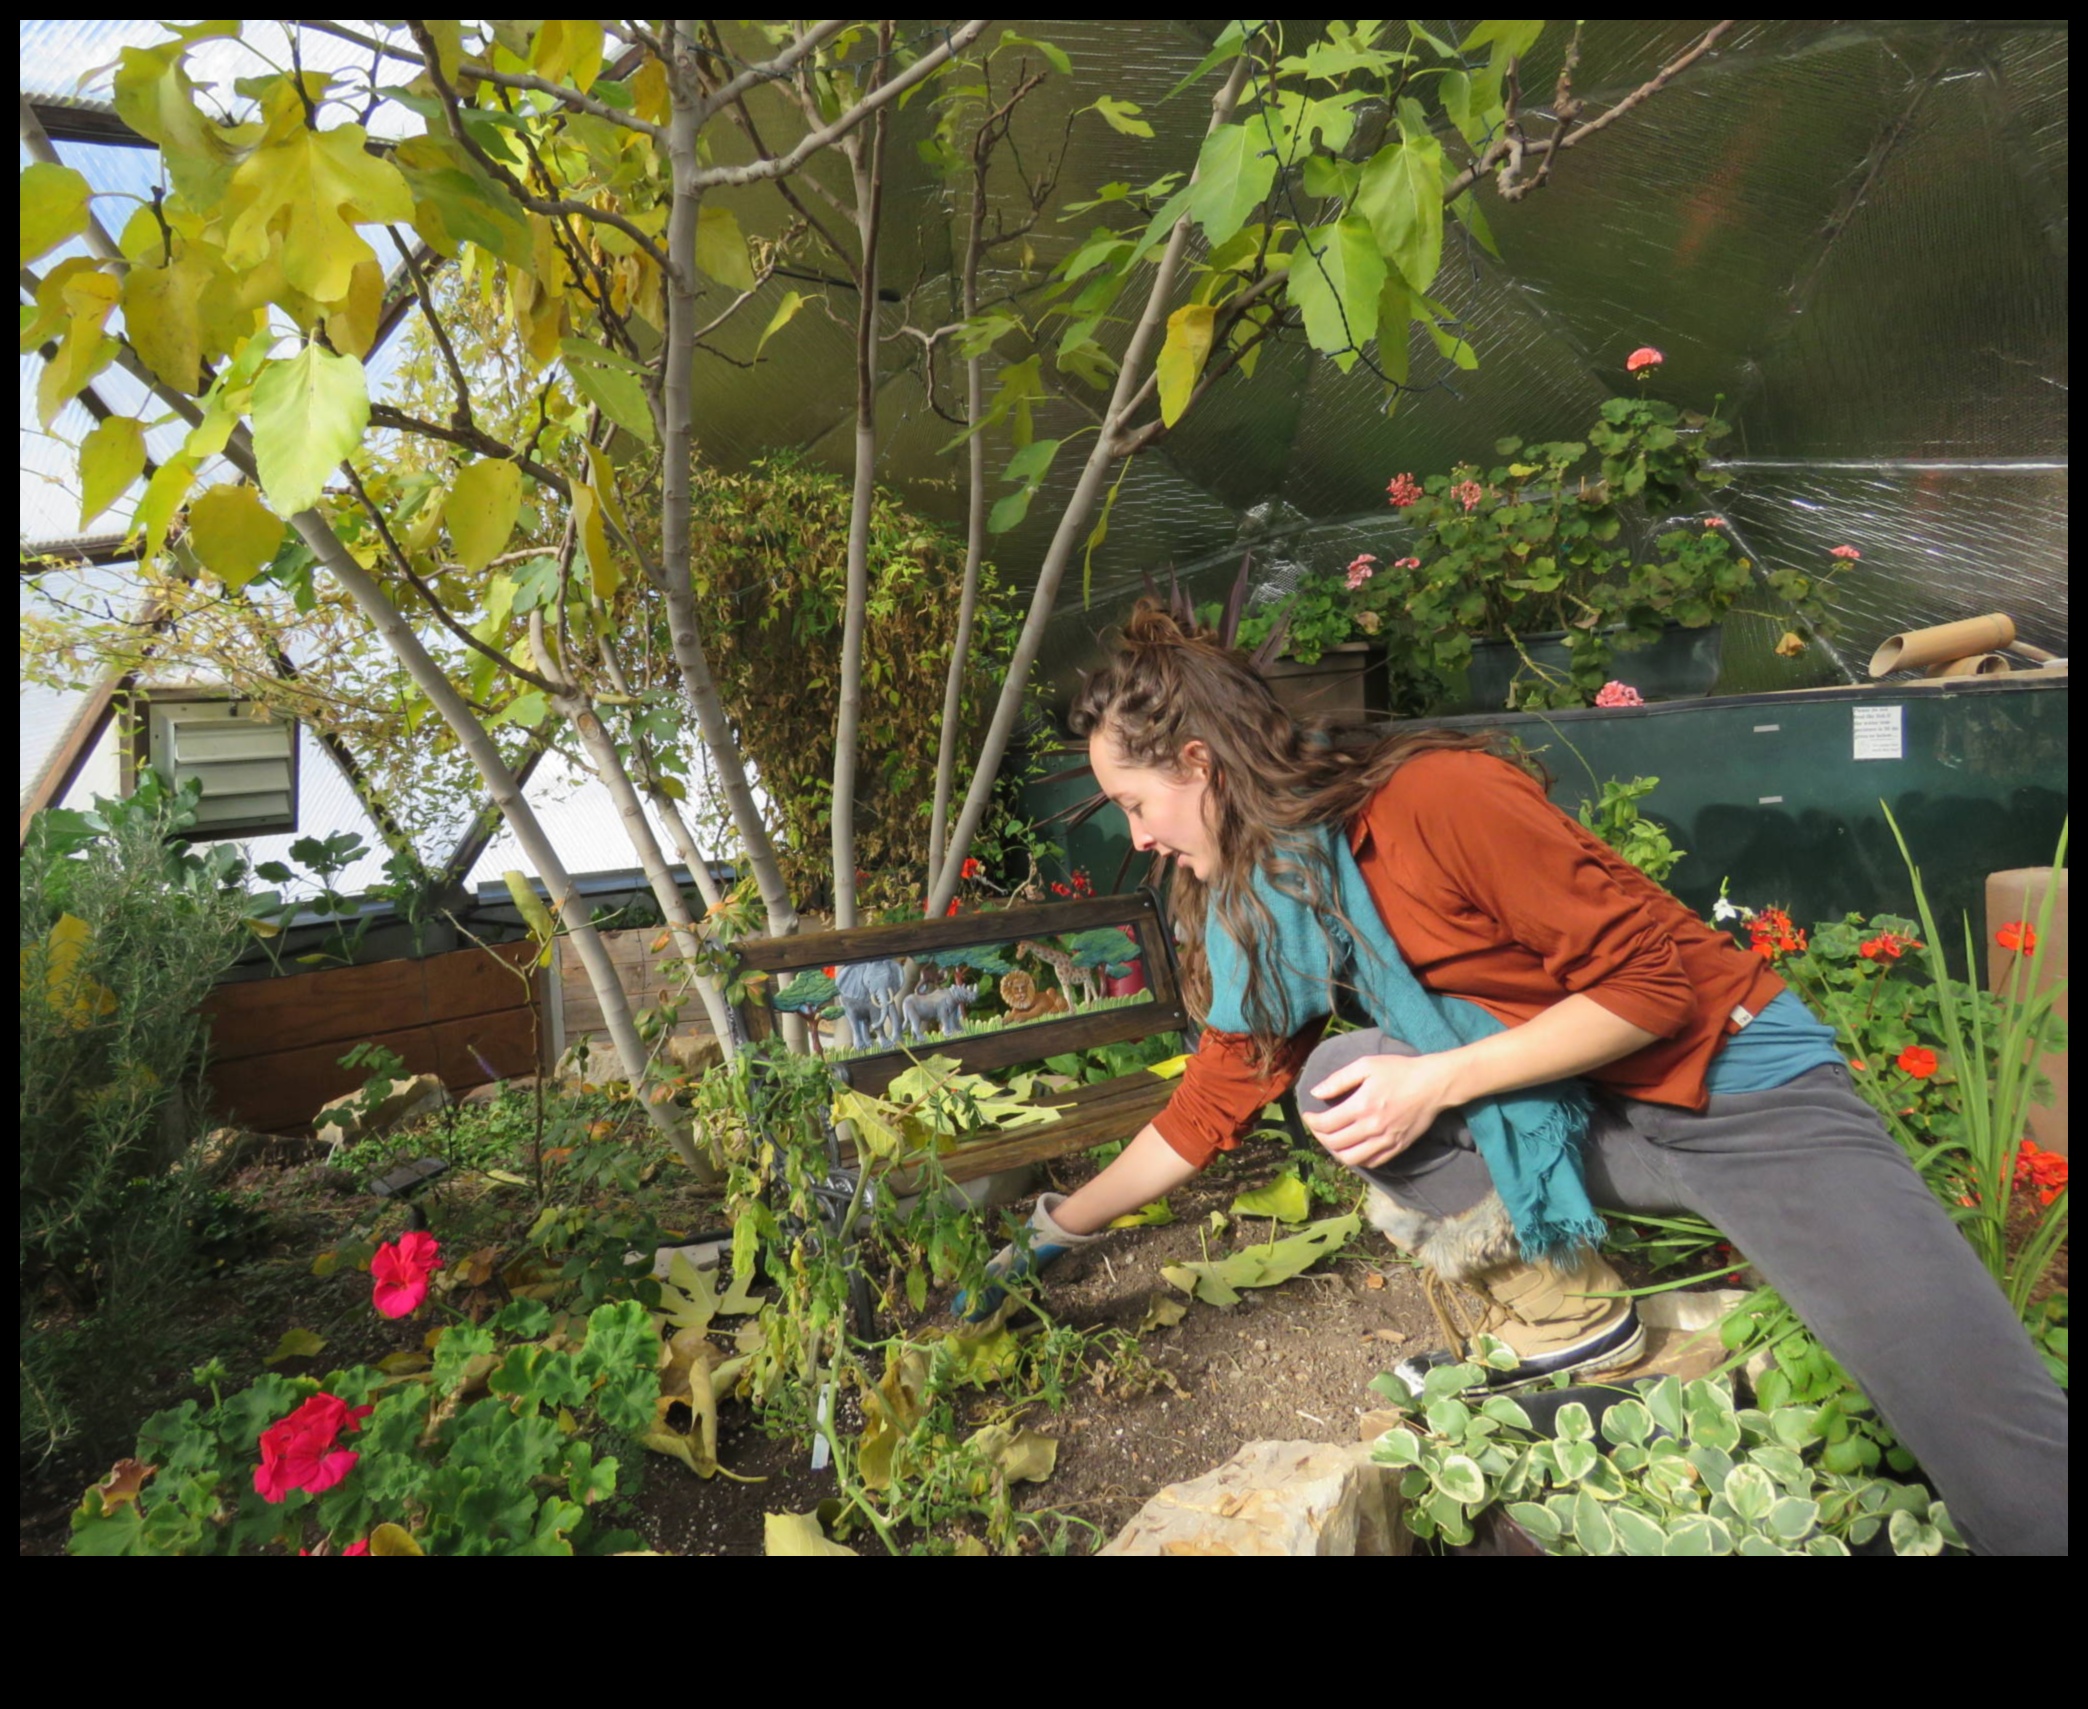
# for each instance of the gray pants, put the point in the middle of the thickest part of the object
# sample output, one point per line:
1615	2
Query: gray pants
1808	1184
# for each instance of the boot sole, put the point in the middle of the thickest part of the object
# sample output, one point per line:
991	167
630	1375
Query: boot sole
1605	1361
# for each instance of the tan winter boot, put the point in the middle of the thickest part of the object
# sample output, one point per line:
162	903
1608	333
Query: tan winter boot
1544	1312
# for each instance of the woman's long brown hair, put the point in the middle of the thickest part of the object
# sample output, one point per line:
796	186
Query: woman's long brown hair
1273	781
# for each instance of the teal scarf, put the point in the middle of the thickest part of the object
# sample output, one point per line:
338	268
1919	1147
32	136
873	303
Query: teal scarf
1530	1140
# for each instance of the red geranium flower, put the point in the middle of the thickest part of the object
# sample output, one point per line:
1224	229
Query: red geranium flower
1917	1060
400	1272
298	1452
970	869
1645	356
2017	935
362	1548
951	911
1886	946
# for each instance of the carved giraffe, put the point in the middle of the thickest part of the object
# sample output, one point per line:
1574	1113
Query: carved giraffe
1068	971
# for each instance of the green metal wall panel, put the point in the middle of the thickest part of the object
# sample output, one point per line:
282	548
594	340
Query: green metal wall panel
1767	790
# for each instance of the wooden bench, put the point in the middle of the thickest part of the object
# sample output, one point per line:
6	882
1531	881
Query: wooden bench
1095	1114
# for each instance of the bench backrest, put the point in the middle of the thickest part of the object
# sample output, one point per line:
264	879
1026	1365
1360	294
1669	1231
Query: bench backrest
1001	1047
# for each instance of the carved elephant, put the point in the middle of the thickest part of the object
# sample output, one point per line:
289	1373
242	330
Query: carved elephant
868	992
950	1005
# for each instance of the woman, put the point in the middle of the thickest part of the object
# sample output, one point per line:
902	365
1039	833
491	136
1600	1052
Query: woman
1541	1029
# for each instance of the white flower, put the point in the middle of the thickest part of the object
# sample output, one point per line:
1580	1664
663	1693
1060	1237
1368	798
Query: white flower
1723	910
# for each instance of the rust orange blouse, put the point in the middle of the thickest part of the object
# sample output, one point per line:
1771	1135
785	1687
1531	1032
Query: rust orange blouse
1495	895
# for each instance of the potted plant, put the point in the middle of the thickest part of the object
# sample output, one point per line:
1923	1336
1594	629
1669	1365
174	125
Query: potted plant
1520	584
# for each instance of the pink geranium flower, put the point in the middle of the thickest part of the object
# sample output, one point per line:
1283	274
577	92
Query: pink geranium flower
1714	522
1360	570
1403	490
1469	493
1845	553
1409	563
1645	356
298	1452
400	1273
1619	694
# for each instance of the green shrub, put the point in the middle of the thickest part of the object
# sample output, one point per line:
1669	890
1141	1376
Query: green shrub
123	933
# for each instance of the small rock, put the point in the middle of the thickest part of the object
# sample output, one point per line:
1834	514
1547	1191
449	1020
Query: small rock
355	1115
695	1053
493	1090
1275	1498
1373	1424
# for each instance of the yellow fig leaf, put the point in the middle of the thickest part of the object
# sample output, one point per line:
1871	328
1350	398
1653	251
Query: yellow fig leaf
296	1344
1218	1281
390	1539
352	328
1182	357
54	207
111	457
530	906
1021	1456
309	412
649	92
163	309
1158	1214
234	533
86	349
594	540
797	1534
1171	1069
153	95
67	987
301	196
1284	1198
483	503
721	249
568	47
786	312
164	493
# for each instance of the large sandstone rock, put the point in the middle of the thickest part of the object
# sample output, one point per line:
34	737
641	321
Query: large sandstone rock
356	1115
1275	1498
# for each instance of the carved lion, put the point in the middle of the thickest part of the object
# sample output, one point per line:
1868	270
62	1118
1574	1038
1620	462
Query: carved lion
1025	1002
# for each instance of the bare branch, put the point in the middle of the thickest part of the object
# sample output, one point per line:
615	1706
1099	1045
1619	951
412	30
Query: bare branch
770	70
461	416
719	177
404	565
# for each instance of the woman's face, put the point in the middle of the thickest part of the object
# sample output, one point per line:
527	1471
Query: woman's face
1167	813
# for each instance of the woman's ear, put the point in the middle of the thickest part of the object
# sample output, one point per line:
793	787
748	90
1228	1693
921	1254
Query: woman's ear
1197	761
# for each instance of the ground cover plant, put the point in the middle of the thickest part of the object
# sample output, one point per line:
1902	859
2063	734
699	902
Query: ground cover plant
1663	1468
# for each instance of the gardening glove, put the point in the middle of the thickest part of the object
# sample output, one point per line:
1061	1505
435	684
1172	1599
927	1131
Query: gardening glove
1042	1244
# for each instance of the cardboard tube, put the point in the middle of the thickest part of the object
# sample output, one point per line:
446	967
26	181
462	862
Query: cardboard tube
1919	648
1979	664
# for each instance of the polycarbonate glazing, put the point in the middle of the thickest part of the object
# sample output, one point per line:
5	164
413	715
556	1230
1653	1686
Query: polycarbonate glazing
1852	234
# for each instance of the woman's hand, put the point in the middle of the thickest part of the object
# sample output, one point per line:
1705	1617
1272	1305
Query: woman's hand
1386	1103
